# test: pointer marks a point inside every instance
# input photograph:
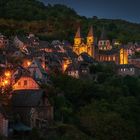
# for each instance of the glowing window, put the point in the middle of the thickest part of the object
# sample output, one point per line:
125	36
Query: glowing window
25	82
19	83
114	58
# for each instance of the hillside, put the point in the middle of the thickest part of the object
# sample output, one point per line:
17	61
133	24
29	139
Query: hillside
58	21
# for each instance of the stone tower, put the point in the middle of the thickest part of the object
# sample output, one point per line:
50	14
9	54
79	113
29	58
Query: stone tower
90	42
77	41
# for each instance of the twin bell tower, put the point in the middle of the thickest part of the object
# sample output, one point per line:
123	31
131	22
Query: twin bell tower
80	46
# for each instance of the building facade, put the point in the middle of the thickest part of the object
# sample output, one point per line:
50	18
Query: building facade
105	50
81	47
3	123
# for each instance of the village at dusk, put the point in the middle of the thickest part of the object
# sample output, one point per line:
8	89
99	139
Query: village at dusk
69	70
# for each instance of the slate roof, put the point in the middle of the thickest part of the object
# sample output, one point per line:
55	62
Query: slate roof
103	35
52	57
87	58
72	67
39	66
26	98
71	54
44	44
28	40
22	72
24	39
77	66
11	48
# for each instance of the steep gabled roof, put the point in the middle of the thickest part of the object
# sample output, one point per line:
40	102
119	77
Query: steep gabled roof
90	33
78	33
86	58
103	35
44	44
38	63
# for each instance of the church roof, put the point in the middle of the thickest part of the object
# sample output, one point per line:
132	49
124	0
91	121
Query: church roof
86	58
109	52
90	33
103	35
78	33
26	98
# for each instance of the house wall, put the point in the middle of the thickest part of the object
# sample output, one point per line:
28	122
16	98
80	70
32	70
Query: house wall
3	126
74	73
135	62
126	71
108	58
104	45
3	42
41	116
25	83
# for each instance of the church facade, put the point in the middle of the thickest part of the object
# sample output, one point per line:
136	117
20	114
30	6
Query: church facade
81	47
105	52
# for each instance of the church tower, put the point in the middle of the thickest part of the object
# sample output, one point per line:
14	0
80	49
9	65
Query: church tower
90	37
104	43
90	42
123	56
77	41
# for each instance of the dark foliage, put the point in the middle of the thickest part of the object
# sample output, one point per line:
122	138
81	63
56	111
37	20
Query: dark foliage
58	22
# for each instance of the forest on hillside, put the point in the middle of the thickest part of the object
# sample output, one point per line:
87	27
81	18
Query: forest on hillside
105	109
58	22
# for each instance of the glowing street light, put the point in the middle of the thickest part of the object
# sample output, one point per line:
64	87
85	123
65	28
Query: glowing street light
8	74
28	63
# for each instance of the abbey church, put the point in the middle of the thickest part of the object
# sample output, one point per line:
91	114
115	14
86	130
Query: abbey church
80	46
104	51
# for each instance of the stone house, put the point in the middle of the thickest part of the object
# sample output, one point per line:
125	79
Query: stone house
3	122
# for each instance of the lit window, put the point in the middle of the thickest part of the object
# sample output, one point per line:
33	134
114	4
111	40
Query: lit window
114	58
19	83
25	82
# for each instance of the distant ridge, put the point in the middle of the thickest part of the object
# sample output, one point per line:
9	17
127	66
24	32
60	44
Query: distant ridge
58	22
